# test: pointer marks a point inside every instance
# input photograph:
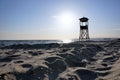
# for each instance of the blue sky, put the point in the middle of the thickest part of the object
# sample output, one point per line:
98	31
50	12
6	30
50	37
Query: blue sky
46	19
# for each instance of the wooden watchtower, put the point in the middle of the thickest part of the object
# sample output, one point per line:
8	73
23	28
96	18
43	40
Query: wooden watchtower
84	33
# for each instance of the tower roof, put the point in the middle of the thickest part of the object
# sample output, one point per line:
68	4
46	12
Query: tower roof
83	19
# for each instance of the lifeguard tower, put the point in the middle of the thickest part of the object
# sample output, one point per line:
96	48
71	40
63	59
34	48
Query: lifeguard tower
84	33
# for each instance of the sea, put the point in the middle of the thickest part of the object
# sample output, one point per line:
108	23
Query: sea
31	42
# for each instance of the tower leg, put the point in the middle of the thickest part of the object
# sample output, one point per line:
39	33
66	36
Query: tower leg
84	35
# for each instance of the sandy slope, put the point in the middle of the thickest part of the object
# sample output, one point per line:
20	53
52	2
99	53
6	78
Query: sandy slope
74	61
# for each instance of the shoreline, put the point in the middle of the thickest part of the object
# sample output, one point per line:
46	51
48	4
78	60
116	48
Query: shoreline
38	46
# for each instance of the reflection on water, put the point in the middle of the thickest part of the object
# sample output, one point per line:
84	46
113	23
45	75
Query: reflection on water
67	41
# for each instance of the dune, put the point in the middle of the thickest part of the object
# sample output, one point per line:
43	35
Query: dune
71	61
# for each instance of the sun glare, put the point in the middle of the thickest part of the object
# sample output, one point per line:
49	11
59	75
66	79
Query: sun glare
65	18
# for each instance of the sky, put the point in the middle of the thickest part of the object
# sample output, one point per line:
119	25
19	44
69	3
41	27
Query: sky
58	19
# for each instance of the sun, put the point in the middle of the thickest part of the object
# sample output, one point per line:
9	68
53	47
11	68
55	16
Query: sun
65	18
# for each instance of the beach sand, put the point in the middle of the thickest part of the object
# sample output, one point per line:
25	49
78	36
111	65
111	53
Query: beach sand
72	61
